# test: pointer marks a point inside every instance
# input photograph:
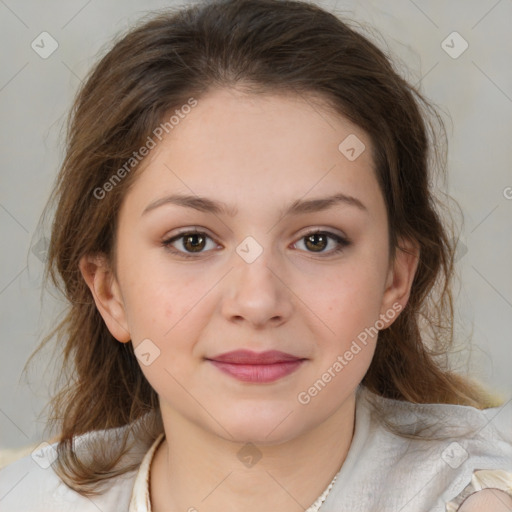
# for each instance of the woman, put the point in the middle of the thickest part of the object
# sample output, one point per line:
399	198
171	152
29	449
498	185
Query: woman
259	282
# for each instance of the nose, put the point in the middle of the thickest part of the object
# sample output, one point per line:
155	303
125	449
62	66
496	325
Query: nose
256	293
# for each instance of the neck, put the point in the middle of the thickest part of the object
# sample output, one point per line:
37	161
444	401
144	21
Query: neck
194	469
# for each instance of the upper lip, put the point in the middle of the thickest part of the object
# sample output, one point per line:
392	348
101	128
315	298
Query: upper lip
250	357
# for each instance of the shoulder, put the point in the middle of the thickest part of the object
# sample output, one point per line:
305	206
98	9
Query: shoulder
436	454
437	423
30	484
487	500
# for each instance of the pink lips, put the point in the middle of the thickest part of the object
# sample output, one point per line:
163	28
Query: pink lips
249	366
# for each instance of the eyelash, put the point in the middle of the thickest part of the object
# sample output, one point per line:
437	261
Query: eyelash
342	242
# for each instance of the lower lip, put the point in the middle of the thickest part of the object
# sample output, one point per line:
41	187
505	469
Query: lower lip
258	372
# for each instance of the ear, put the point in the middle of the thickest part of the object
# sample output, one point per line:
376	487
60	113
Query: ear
107	295
399	280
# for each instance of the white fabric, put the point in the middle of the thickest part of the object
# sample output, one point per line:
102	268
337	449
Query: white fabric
382	472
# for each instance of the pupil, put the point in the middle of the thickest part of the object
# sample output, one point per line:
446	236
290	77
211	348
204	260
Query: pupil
311	238
197	245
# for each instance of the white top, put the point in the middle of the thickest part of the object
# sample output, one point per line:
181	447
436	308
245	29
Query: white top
382	471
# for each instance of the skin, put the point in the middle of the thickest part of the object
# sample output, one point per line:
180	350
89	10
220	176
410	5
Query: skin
257	154
487	500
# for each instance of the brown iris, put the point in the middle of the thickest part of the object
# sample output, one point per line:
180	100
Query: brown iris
195	245
314	240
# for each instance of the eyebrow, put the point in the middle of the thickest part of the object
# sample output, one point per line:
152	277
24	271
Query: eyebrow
204	204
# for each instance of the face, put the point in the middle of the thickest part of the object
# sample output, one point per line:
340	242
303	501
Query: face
274	267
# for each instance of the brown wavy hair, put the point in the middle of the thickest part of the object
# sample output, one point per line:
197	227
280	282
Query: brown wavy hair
260	46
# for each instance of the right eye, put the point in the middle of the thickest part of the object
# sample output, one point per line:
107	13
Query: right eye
193	242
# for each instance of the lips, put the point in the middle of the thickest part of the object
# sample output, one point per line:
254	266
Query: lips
249	357
263	367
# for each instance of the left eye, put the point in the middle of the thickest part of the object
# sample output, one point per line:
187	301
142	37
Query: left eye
319	240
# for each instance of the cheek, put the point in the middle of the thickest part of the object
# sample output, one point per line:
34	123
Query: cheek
350	299
349	306
156	295
159	310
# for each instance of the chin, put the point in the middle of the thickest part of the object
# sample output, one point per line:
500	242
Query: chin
263	427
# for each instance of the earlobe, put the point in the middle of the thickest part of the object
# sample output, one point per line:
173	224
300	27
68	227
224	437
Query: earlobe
400	277
104	288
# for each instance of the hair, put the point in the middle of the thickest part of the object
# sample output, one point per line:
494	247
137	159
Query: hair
258	46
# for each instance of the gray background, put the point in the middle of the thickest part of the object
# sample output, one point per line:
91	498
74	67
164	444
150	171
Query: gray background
475	88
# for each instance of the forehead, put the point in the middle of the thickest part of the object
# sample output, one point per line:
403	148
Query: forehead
244	148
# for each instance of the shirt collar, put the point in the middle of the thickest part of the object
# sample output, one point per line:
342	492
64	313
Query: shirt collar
140	501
